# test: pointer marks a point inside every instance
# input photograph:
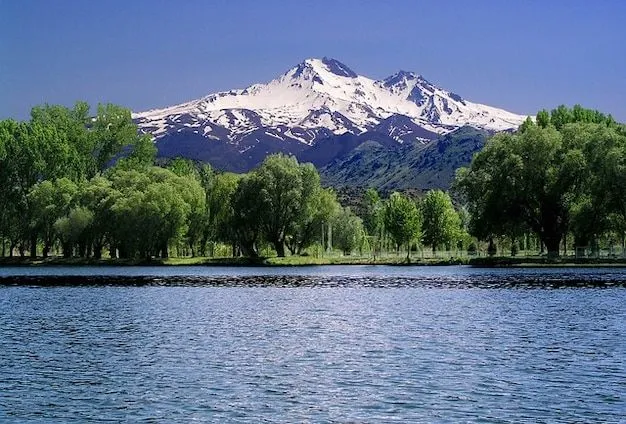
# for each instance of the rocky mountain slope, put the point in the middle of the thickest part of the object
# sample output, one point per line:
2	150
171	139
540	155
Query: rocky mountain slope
372	163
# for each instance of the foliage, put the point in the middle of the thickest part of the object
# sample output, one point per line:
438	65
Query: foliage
565	172
48	202
247	213
151	210
349	233
441	223
402	221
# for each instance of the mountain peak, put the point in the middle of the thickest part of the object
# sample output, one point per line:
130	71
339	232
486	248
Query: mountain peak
406	74
403	77
338	68
318	67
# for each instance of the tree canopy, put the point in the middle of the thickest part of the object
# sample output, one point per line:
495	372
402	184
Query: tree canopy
441	223
402	220
550	177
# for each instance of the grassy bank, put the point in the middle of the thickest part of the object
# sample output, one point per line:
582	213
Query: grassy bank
545	262
289	261
204	261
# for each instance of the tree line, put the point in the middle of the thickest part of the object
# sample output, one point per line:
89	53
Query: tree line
85	185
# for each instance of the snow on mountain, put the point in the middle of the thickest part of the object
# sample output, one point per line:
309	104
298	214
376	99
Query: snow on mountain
323	95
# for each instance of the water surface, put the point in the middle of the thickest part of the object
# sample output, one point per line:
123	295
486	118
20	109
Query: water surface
370	345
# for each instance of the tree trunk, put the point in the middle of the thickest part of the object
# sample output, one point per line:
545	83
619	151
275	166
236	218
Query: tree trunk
249	251
81	249
279	246
595	247
67	250
33	246
553	243
491	249
97	250
46	249
329	240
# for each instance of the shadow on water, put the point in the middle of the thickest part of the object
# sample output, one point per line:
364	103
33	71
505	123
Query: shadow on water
498	280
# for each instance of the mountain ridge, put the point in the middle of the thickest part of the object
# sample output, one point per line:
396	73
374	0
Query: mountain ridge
325	93
318	110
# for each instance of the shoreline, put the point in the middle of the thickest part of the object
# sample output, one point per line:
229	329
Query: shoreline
305	261
290	261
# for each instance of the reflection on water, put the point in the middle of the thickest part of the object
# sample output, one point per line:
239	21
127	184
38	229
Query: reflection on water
327	348
317	276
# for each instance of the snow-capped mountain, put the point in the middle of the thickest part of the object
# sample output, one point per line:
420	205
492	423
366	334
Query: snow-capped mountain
317	99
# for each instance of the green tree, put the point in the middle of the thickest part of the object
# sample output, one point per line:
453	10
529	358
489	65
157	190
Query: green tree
349	233
73	231
533	179
220	189
281	187
543	118
150	210
402	221
605	191
97	196
197	218
142	155
527	124
303	232
328	208
372	206
247	211
63	140
112	130
373	219
524	178
49	201
441	224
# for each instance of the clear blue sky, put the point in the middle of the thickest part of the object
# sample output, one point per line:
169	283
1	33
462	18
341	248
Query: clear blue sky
518	55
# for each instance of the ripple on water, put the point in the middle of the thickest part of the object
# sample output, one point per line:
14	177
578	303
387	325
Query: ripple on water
326	349
481	281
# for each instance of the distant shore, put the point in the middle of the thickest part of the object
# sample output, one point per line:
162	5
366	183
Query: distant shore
295	261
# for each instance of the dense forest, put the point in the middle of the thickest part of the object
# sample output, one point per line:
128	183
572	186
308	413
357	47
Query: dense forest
78	184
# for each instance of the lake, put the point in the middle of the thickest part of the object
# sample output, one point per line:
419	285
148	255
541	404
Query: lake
312	344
